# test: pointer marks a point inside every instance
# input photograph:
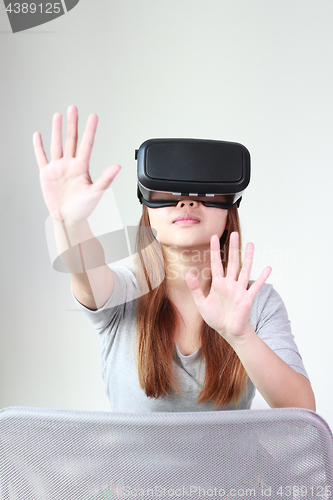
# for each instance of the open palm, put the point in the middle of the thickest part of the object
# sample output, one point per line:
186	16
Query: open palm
228	304
68	190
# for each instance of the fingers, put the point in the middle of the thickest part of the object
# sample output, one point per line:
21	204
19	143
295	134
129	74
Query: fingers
194	285
39	150
71	138
245	273
255	287
56	137
106	178
215	256
88	137
233	258
71	131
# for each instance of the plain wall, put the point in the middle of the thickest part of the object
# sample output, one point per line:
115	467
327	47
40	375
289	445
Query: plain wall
257	72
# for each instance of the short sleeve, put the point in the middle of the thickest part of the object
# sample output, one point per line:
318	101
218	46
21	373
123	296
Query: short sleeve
269	318
121	299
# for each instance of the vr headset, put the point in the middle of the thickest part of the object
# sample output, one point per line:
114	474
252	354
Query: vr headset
215	173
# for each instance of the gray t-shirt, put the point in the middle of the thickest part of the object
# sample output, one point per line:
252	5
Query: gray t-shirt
115	324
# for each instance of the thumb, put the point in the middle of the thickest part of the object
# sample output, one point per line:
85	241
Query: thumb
106	178
194	285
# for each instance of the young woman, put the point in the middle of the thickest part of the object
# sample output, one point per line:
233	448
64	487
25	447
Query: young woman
185	330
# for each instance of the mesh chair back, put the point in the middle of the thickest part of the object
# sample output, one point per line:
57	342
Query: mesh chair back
280	454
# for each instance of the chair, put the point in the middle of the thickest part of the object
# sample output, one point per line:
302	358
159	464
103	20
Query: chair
280	454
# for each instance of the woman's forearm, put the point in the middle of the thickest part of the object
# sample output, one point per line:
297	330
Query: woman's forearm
279	384
83	256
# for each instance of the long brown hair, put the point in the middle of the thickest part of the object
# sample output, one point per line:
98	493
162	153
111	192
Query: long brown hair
225	377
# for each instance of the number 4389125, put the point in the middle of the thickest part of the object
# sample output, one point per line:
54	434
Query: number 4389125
32	8
303	491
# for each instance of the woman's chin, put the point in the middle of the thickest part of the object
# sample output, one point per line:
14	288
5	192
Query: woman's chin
187	244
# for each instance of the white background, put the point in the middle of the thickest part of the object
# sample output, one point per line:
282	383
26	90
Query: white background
259	72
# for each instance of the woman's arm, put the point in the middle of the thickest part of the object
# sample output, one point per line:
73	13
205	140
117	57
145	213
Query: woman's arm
71	196
227	309
278	383
92	280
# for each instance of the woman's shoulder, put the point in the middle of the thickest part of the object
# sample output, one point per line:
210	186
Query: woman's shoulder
268	305
267	293
125	286
124	293
124	272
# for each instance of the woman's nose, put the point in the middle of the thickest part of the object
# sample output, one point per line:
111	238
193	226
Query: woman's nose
188	203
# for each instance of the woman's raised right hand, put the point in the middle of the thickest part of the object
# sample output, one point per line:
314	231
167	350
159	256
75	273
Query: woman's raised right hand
69	193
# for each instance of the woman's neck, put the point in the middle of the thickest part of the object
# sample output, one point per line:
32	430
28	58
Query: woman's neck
180	261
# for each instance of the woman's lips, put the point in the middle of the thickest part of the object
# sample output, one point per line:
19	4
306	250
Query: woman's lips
187	219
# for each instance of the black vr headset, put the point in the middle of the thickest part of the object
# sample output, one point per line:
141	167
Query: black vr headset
213	172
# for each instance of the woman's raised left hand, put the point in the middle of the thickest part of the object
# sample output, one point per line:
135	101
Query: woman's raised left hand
228	304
